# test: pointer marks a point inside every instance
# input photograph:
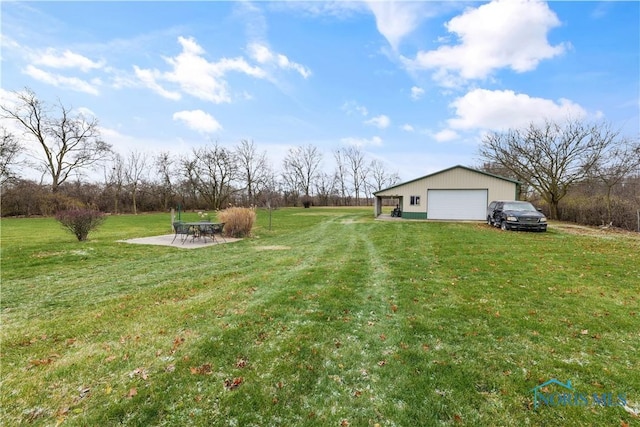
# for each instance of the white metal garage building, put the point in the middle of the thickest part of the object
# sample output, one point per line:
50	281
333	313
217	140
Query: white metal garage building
457	193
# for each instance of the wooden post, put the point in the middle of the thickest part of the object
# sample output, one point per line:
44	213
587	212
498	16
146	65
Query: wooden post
173	218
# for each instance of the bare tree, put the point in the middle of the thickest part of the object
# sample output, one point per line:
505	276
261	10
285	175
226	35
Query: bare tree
10	148
189	186
69	143
213	171
114	178
325	188
616	164
254	169
341	174
134	172
358	170
301	167
524	190
379	176
164	165
550	157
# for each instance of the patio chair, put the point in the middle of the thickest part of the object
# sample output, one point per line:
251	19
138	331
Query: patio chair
181	229
217	229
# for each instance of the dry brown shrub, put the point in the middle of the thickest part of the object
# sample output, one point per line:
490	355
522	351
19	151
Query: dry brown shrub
238	221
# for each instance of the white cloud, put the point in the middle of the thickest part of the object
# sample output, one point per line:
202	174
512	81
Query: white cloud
149	79
198	120
352	107
197	76
416	92
71	83
381	121
86	112
501	34
395	20
263	55
260	53
407	128
362	142
500	110
67	59
446	135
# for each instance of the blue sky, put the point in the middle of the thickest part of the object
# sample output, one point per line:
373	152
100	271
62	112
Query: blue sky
413	84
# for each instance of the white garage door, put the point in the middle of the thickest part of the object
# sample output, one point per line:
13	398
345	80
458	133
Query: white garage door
457	204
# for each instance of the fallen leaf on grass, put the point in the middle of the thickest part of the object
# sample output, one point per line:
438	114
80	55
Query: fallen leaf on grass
584	332
132	392
344	423
40	362
241	363
382	363
140	372
457	418
233	384
176	343
203	369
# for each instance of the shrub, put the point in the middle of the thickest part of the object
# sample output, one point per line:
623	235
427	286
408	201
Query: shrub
238	222
80	221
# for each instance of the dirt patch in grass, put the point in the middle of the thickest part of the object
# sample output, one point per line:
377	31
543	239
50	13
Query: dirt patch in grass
605	232
273	248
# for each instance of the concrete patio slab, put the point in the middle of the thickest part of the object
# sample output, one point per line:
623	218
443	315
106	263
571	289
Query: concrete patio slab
166	240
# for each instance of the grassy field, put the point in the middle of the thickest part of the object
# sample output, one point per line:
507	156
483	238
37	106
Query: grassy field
328	319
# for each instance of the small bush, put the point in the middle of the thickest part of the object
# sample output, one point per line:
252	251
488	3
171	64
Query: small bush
238	222
80	221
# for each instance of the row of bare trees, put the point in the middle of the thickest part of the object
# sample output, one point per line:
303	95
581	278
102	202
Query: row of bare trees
209	177
63	146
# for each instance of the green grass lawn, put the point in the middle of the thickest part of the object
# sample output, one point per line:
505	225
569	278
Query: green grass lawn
329	318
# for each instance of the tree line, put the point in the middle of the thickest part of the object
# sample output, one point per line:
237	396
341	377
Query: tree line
579	171
65	146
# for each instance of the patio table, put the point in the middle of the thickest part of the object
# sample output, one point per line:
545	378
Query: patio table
199	230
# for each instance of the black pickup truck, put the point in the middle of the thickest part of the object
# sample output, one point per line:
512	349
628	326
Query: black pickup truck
515	215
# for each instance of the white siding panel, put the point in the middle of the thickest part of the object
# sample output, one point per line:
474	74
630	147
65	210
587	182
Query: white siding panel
457	204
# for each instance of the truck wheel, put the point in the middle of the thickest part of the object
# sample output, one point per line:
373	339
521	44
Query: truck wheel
503	226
